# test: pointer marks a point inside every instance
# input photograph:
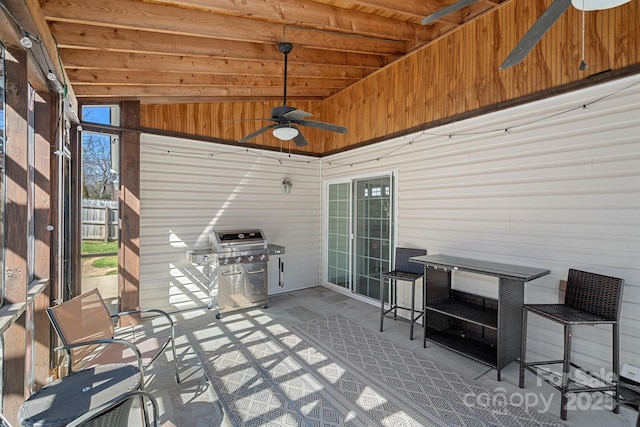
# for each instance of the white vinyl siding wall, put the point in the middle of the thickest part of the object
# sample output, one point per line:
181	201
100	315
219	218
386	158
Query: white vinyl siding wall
548	184
191	187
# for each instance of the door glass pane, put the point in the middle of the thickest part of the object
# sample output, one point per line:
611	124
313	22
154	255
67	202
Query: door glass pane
100	210
373	216
339	236
66	226
100	187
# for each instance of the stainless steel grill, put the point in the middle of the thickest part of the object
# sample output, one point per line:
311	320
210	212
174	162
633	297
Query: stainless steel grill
241	268
237	269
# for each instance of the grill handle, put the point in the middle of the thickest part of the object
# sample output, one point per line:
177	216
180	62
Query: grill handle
232	273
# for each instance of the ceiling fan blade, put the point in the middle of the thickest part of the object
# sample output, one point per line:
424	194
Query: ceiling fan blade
296	115
278	112
300	140
447	10
535	33
258	132
321	125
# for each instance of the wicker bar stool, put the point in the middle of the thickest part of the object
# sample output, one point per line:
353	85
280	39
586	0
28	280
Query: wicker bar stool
590	299
404	271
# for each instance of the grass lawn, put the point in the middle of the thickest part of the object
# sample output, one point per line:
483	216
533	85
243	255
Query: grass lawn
101	247
98	247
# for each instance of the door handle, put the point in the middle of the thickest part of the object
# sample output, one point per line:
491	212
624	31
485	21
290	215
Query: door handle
262	270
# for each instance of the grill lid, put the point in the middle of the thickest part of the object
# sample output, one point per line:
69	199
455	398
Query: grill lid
221	241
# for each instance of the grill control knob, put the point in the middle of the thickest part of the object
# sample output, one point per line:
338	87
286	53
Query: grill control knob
262	257
250	257
205	258
225	261
238	259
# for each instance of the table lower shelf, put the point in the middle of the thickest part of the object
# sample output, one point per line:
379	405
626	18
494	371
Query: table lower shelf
476	350
466	311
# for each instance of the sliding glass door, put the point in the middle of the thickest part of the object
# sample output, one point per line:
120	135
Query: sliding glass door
359	232
339	234
373	238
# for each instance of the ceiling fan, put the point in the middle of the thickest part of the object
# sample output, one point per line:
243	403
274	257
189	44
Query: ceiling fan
285	117
542	25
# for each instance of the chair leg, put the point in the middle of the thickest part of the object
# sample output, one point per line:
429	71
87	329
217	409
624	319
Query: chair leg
143	409
523	347
616	368
565	371
382	291
394	292
424	306
413	301
175	358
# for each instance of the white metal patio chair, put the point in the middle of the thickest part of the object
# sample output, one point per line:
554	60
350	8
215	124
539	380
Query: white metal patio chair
86	329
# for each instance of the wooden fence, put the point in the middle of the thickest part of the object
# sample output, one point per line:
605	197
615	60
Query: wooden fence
100	220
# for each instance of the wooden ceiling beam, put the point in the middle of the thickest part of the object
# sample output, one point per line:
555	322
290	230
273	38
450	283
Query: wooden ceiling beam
71	35
276	100
9	33
88	59
199	91
411	11
463	15
118	77
317	15
10	36
30	16
157	18
226	50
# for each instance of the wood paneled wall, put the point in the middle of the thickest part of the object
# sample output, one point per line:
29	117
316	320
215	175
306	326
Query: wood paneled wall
225	122
457	74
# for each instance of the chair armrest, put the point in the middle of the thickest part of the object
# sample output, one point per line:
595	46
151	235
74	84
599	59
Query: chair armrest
125	343
145	310
149	310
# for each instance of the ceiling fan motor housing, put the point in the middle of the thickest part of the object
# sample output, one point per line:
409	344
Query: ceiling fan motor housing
285	47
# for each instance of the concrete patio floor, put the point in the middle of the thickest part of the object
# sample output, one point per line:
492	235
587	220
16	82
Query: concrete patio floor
193	403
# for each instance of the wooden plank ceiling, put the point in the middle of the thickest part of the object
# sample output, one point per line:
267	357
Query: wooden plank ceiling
176	51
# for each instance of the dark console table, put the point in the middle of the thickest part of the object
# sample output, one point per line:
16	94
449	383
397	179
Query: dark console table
485	329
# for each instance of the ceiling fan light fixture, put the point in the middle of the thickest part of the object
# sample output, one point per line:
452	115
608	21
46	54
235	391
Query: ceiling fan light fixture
597	4
285	132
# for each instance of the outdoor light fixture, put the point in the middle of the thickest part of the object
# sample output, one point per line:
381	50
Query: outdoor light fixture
285	132
286	185
26	40
51	76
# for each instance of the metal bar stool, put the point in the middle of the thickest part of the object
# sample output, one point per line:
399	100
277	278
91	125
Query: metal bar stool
404	271
590	299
